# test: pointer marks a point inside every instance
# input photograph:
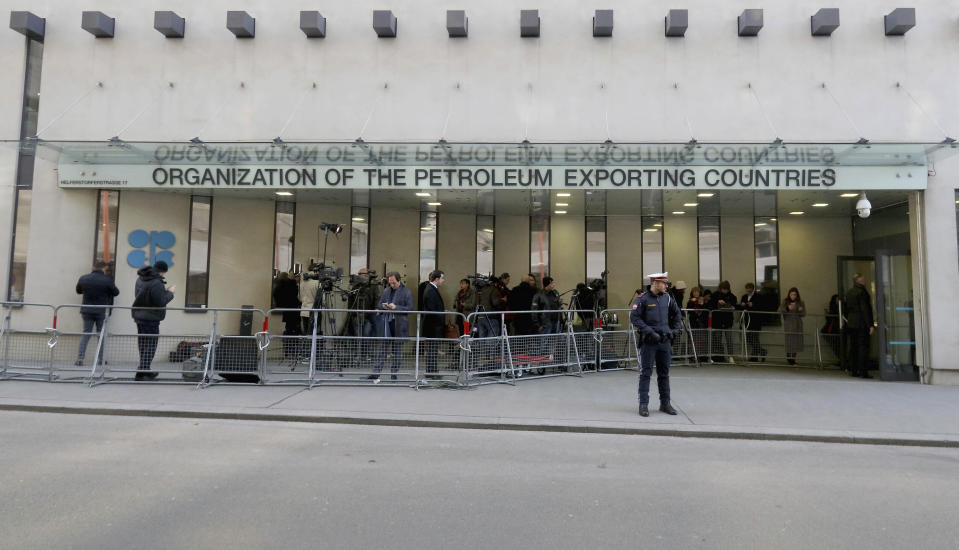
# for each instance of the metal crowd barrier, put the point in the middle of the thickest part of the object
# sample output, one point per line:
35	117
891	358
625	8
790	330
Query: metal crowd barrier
340	346
327	356
496	356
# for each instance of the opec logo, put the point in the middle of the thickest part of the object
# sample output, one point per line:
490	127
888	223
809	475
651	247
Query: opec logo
140	239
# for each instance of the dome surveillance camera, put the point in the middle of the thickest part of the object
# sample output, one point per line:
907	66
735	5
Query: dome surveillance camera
863	206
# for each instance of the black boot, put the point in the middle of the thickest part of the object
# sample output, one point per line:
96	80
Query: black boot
667	408
643	409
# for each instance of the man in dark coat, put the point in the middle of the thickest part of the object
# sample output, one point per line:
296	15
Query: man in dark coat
656	315
722	304
753	308
393	323
98	289
433	325
521	299
859	326
149	308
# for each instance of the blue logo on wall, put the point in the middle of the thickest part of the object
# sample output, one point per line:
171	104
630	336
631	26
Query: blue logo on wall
154	239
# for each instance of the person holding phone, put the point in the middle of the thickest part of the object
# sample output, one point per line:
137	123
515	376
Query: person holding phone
149	308
393	324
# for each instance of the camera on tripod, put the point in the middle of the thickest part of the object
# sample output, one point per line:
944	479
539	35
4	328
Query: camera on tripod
327	276
367	279
480	281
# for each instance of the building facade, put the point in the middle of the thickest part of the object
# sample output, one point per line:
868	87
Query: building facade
567	139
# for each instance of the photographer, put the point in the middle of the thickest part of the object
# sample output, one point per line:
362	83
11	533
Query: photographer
465	302
307	296
364	293
521	299
493	298
547	318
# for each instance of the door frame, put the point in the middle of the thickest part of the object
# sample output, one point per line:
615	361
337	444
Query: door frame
886	374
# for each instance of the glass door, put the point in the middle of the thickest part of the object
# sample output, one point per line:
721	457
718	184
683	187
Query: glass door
895	315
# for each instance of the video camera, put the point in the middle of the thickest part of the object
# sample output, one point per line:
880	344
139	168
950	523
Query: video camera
365	280
327	276
481	281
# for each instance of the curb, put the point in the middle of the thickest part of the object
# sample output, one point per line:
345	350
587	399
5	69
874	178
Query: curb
687	432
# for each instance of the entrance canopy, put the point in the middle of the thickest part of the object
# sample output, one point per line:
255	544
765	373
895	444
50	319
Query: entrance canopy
443	165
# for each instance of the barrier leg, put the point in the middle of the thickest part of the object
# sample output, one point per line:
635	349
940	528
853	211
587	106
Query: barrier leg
98	357
4	331
313	344
51	343
572	336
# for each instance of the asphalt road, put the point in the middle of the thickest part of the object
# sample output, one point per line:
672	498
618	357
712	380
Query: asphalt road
103	482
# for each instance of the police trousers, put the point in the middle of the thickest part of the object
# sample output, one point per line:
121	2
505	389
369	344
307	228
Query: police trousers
661	354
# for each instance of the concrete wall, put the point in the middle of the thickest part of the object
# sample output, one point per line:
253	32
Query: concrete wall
937	257
681	249
241	269
623	259
567	252
511	246
737	255
394	237
807	257
456	251
309	243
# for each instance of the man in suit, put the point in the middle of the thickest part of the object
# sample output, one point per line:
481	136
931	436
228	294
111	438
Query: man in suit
393	323
433	325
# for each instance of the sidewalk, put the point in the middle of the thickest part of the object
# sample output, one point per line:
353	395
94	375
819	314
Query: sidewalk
722	401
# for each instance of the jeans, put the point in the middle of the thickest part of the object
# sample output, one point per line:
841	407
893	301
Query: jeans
147	342
488	326
89	321
661	354
394	344
551	327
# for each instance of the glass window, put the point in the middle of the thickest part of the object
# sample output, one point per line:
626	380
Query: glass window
767	252
283	237
652	244
359	239
539	245
105	247
21	232
427	244
709	272
484	244
595	247
23	196
197	281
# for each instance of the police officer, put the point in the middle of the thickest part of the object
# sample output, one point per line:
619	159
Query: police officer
656	316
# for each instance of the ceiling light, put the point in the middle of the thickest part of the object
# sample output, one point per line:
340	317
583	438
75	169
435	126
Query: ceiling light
488	230
772	219
559	211
562	204
657	225
820	204
678	212
284	193
690	204
651	230
849	195
563	194
705	195
422	194
426	228
797	213
760	225
359	219
434	204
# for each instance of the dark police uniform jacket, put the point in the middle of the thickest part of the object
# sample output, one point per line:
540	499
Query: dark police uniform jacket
656	314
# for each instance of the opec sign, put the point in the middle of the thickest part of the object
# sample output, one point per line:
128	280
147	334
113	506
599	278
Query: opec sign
146	245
